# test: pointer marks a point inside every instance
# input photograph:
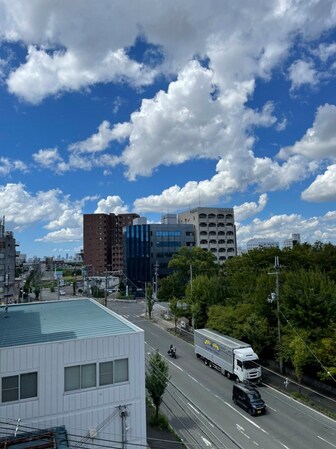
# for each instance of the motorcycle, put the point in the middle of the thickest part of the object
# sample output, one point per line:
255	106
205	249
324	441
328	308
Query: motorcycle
172	352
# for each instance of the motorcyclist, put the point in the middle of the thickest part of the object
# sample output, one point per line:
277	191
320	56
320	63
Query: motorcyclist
172	350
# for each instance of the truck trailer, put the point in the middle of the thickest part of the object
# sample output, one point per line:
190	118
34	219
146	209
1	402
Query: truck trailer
233	358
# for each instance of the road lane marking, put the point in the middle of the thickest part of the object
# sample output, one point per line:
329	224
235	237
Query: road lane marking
245	417
193	408
206	441
326	441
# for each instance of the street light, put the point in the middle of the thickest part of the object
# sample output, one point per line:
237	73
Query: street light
275	296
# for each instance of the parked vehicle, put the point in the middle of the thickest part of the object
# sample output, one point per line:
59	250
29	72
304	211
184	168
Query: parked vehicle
233	358
248	398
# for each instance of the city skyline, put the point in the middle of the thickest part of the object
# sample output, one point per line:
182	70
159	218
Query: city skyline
157	108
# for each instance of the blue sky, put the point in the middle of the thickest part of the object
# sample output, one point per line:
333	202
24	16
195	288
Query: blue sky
156	107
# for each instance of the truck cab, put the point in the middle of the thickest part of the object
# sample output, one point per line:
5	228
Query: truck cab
246	367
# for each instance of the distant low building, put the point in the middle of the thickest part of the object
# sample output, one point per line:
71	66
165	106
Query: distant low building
293	241
258	243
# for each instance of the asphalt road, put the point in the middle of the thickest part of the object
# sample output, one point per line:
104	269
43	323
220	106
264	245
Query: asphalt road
199	405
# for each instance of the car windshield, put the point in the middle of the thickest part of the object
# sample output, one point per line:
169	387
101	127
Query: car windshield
254	395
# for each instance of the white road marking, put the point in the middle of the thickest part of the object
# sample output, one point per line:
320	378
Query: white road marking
193	408
326	441
206	441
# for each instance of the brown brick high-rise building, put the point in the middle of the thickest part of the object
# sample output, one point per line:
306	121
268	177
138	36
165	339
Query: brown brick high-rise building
103	241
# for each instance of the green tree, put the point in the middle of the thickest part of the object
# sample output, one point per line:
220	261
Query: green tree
189	262
171	286
156	379
202	293
308	301
176	309
295	350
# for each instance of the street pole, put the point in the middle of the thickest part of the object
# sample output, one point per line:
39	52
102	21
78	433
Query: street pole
191	294
276	296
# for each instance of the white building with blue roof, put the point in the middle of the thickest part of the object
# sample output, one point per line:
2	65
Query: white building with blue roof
73	363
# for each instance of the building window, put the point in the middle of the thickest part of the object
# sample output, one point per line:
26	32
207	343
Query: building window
202	216
203	233
80	376
105	373
220	216
211	216
120	370
23	386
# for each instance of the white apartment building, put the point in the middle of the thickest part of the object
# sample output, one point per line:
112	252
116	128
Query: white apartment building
215	230
72	363
295	240
257	243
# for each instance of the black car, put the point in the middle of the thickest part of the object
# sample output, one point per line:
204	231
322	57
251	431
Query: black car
248	398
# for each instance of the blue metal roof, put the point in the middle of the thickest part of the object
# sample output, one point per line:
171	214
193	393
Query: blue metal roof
42	322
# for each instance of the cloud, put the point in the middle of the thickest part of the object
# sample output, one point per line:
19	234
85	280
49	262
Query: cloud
319	141
111	204
47	158
323	188
22	210
46	74
281	227
9	165
325	51
101	140
302	72
64	54
186	123
247	210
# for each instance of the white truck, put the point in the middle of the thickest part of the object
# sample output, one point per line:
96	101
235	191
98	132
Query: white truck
233	358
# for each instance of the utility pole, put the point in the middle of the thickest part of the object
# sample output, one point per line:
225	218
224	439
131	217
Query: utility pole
156	279
191	295
123	415
276	297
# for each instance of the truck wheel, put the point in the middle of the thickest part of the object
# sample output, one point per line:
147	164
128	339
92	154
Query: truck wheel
205	362
227	374
210	365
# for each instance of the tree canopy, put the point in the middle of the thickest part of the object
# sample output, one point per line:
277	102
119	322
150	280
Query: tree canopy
234	299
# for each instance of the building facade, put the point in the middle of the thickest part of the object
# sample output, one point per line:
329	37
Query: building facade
149	248
215	230
76	364
258	243
102	241
295	240
7	264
